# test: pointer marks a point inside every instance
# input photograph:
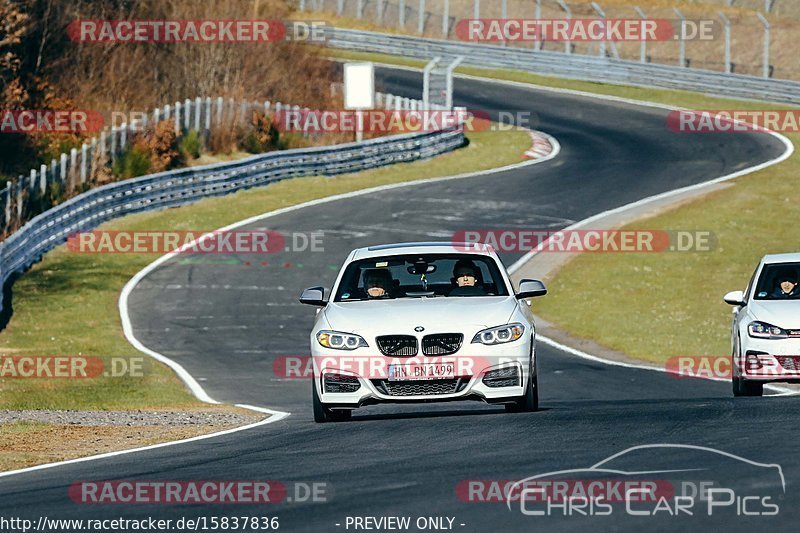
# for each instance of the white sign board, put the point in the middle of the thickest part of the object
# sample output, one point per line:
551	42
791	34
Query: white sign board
359	86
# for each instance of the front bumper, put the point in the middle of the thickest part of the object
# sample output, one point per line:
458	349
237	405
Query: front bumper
769	359
493	374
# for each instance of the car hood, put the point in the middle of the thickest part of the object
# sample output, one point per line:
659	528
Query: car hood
401	316
782	313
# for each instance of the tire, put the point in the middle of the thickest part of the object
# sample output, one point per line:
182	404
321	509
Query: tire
746	387
529	402
742	386
322	414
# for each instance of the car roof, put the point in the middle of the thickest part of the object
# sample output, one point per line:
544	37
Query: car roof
781	258
405	248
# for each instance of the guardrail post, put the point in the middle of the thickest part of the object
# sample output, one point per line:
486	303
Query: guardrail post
681	40
84	161
568	11
421	17
446	19
727	23
643	43
765	59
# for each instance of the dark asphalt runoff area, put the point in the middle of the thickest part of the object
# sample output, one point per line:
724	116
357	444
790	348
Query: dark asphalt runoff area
228	323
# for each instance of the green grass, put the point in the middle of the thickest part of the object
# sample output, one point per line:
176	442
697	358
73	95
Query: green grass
653	306
67	304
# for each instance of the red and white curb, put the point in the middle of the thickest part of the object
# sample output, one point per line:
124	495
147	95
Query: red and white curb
541	147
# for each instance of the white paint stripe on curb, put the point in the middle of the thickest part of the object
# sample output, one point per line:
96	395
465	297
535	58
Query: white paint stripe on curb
275	416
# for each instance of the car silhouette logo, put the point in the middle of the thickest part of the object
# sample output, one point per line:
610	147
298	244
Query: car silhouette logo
419	328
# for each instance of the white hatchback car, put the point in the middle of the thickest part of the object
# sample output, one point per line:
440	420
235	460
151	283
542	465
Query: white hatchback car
422	322
766	326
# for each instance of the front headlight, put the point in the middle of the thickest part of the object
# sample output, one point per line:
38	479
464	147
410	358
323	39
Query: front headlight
341	341
762	330
499	334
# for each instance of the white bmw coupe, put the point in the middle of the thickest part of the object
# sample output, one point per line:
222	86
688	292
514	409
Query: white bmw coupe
422	322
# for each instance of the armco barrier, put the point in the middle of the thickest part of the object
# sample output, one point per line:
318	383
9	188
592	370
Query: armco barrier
573	66
182	186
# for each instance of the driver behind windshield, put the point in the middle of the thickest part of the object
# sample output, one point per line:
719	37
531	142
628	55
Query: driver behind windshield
465	277
377	283
786	285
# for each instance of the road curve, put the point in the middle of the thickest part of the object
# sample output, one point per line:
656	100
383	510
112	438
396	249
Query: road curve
227	323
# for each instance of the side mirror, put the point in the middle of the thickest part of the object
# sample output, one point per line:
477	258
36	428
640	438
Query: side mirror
530	288
734	298
314	296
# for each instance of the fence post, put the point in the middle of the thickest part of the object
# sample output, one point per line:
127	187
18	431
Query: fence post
167	113
339	7
445	19
476	9
53	170
197	107
187	114
8	202
219	110
765	59
32	184
421	17
93	158
73	162
402	15
727	23
681	40
360	9
20	188
177	118
643	43
63	173
84	162
380	7
208	112
537	44
43	179
123	136
568	11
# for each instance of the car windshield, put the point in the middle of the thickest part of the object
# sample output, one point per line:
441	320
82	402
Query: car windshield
778	281
418	276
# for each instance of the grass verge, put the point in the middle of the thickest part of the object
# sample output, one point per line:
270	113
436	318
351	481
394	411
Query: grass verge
656	306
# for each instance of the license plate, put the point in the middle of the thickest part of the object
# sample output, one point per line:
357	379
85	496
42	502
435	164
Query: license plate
415	371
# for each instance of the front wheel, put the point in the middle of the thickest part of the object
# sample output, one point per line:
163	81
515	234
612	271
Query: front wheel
529	402
322	414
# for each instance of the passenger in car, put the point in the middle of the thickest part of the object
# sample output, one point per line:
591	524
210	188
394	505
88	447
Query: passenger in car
466	279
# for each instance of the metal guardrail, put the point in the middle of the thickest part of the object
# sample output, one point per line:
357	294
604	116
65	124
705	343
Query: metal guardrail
183	186
579	67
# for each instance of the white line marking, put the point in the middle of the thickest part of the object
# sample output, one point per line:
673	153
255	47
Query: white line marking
275	416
